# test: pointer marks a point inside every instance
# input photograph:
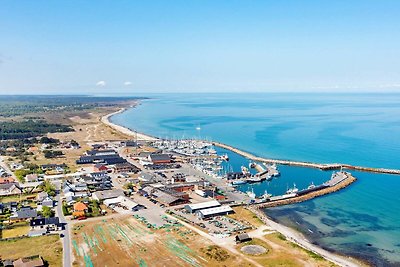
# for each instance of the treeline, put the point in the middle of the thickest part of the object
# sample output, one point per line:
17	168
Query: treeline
29	128
20	105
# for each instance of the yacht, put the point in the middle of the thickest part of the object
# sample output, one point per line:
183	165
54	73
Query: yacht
311	186
251	193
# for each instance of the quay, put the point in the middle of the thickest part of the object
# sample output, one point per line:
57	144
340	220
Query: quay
324	167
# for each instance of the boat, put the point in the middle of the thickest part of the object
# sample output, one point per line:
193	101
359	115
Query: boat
225	157
293	190
269	177
266	195
311	186
239	182
251	193
254	179
245	171
252	165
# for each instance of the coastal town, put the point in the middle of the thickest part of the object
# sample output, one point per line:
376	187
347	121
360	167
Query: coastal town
117	189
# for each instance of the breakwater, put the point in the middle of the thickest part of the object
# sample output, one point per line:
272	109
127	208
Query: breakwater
321	166
313	194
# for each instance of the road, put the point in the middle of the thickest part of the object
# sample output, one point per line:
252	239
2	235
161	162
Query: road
66	240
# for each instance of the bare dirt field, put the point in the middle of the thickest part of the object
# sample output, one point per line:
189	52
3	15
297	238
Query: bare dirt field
125	241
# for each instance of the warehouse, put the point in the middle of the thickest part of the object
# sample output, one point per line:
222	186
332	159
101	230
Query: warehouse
217	211
192	208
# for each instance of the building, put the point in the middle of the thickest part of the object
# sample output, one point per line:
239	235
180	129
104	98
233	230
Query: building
34	261
10	189
242	238
103	195
168	199
49	224
126	167
160	158
25	213
31	178
80	210
105	159
192	208
7	180
217	211
123	202
100	168
101	152
54	167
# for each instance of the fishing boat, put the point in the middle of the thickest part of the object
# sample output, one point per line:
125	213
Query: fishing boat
293	190
311	186
239	182
245	171
266	195
254	179
251	193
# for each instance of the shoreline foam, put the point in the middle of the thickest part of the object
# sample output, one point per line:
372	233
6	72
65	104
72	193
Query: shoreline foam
290	234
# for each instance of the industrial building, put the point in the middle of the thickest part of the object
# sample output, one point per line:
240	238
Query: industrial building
217	211
192	208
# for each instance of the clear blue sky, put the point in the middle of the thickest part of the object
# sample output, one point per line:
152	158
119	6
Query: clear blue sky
185	46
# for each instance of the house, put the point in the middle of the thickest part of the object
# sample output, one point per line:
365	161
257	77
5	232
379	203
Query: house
41	196
31	178
242	238
25	213
100	168
34	261
160	158
50	224
10	189
129	143
54	167
126	167
48	202
7	180
103	195
106	159
10	206
79	210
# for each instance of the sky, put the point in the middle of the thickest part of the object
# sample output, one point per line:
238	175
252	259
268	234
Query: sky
118	46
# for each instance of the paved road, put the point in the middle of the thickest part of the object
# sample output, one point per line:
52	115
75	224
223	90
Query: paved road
66	240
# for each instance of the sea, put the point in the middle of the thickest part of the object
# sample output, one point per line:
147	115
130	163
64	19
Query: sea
361	221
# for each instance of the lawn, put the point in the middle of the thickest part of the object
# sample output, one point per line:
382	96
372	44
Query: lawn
49	247
16	230
17	198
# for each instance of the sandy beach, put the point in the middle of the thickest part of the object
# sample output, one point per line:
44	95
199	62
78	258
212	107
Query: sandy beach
290	234
140	136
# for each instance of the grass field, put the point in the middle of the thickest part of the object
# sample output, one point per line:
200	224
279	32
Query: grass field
16	230
49	247
243	214
128	242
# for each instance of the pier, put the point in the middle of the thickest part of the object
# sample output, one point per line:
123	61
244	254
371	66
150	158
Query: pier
324	167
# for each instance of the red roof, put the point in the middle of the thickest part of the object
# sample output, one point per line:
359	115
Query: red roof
79	206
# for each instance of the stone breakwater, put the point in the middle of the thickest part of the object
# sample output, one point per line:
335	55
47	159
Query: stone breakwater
332	166
328	190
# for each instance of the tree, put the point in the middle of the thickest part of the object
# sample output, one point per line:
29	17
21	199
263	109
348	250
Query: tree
49	188
47	212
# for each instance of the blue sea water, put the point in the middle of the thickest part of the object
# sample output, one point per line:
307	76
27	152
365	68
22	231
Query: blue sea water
361	129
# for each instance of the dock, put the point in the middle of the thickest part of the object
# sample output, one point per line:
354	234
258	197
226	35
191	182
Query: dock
321	166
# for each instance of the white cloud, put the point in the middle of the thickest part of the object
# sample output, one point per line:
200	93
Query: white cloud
127	83
101	83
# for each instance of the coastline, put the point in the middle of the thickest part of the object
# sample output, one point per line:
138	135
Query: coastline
289	233
124	130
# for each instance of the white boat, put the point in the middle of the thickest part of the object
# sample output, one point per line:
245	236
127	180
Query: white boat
311	186
245	171
252	165
254	179
293	190
251	193
239	182
225	157
266	195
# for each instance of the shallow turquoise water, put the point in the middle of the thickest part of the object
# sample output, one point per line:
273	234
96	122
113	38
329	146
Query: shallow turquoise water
362	220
